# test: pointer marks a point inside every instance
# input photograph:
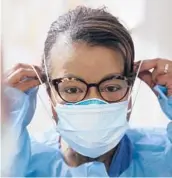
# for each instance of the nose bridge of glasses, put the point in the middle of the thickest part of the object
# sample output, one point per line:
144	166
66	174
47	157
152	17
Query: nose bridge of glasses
93	91
92	85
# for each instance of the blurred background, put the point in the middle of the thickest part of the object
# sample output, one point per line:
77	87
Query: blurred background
24	28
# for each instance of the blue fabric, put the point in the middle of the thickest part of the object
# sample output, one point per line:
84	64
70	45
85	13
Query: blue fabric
140	153
22	107
122	158
165	102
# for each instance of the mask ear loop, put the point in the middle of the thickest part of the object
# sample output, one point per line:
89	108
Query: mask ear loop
44	105
131	89
46	73
52	91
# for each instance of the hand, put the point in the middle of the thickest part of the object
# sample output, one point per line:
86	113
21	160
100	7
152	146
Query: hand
22	77
160	74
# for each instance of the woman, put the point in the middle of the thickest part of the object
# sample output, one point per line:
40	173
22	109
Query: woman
88	67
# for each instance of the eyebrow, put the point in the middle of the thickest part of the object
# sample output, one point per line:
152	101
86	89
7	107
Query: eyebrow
105	77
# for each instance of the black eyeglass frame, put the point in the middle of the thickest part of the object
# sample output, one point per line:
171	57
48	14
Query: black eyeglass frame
129	81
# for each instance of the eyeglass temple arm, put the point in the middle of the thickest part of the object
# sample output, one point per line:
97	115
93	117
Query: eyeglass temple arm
131	78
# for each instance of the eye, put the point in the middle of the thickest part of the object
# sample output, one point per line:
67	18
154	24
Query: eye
111	88
72	90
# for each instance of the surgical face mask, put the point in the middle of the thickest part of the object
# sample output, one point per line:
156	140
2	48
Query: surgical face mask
92	127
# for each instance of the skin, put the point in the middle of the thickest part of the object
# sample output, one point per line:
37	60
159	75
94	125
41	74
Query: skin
14	77
85	62
157	76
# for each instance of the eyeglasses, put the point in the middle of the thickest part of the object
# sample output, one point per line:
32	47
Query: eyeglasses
111	89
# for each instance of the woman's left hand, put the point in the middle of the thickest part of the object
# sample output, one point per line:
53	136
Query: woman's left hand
160	74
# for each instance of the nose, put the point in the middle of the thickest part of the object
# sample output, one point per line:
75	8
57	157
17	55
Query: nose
93	93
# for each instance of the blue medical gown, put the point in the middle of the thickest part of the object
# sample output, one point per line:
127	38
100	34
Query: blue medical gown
141	152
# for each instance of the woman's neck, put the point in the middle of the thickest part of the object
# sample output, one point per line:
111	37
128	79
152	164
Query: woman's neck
75	159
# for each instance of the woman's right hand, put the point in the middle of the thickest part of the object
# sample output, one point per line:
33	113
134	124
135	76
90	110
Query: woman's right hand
22	77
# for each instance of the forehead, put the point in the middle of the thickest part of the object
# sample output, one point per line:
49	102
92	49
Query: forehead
91	63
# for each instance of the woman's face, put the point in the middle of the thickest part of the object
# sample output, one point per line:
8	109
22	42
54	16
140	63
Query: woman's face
89	63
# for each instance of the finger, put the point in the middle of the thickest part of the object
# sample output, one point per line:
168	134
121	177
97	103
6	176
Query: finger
146	76
24	86
20	74
160	69
20	65
162	79
26	66
16	67
39	73
147	64
155	74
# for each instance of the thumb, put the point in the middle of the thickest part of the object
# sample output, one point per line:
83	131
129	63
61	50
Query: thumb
146	76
